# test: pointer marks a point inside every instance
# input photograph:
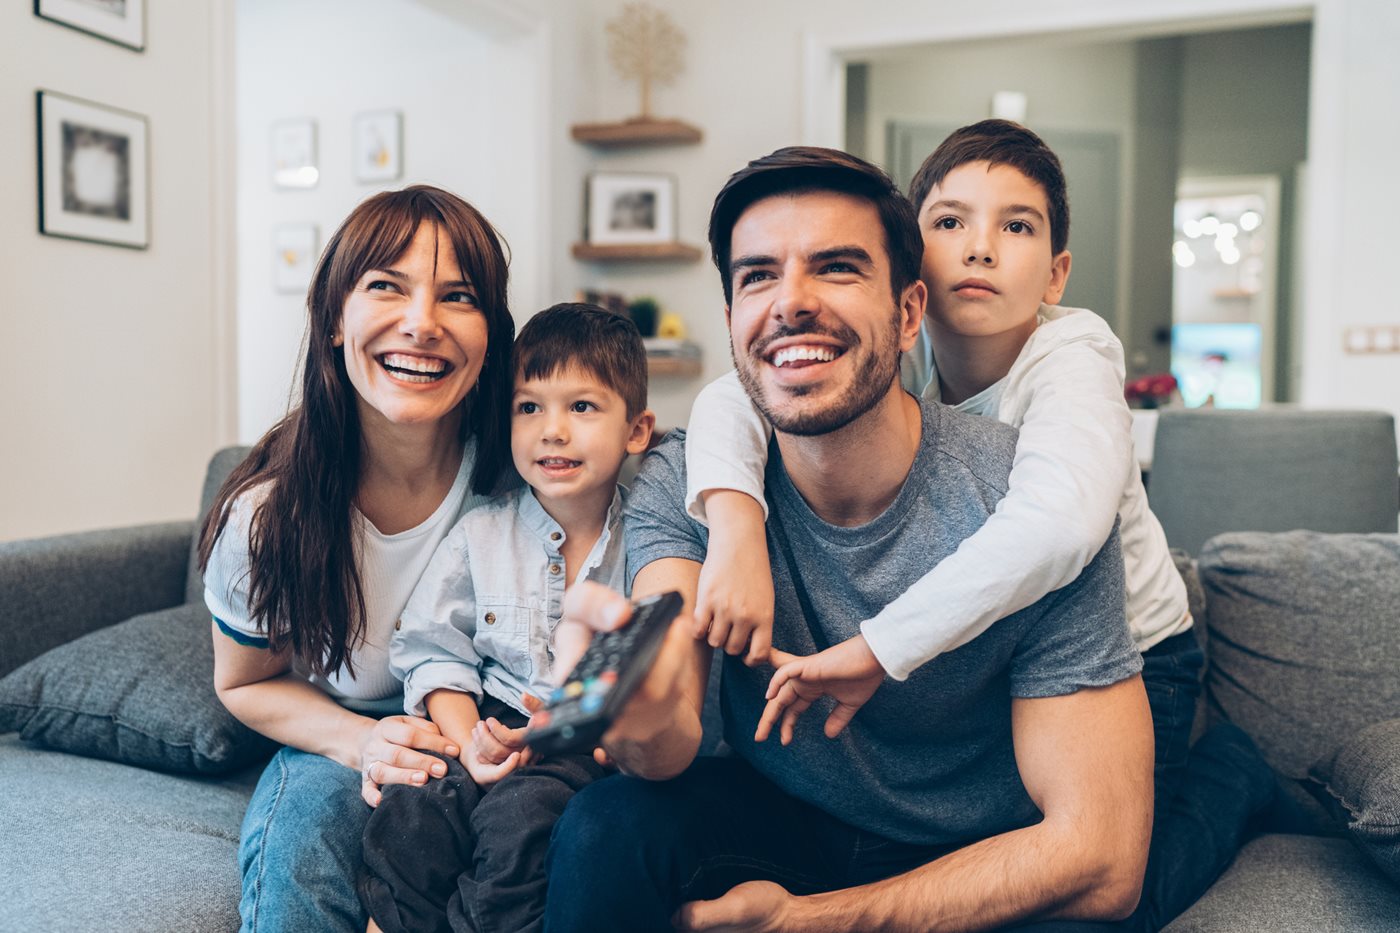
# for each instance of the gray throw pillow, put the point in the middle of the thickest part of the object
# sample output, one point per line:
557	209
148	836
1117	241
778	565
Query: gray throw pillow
1360	784
1304	638
140	692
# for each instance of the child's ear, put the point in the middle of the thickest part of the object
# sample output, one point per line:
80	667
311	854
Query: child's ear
640	435
1059	278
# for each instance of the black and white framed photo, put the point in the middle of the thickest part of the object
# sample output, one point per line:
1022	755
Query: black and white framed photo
294	154
626	209
92	172
378	146
293	257
119	21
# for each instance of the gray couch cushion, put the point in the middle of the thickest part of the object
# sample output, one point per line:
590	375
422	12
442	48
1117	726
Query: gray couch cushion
1304	638
94	845
1295	883
140	692
1360	782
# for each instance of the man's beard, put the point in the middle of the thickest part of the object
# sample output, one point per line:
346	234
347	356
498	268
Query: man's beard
872	379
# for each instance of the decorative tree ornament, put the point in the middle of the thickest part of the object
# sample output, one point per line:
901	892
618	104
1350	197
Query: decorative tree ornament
645	45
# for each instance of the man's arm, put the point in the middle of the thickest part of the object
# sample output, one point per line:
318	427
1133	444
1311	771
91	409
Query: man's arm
658	733
1086	761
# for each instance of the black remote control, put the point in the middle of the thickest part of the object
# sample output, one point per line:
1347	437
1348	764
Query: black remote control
578	713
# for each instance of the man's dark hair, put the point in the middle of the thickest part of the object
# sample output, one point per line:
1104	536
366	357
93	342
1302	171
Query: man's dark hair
574	334
800	169
1001	142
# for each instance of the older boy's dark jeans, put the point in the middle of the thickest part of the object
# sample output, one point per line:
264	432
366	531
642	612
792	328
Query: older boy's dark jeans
448	856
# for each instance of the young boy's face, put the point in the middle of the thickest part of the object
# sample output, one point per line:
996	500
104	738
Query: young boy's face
569	433
987	257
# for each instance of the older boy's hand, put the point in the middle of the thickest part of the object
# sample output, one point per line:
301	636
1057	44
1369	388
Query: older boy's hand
848	672
734	601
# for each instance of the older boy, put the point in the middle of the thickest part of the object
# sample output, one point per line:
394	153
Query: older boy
476	637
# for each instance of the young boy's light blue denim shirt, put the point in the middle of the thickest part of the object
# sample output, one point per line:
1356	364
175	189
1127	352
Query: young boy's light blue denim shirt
483	614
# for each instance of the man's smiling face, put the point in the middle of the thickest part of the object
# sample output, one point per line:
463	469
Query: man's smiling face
815	329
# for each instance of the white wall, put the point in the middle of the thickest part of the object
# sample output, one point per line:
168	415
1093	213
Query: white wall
470	91
112	382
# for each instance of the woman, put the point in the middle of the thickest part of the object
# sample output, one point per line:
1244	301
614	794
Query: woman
316	541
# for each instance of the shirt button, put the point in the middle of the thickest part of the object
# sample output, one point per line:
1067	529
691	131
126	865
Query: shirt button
398	624
554	568
555	536
490	618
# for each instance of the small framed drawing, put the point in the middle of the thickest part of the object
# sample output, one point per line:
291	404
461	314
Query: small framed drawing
92	172
378	146
293	257
119	21
294	154
630	209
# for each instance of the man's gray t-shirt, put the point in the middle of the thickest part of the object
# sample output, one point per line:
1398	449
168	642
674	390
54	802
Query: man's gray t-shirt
928	761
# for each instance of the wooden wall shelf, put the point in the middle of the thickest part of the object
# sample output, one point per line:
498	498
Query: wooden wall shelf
688	368
636	133
641	252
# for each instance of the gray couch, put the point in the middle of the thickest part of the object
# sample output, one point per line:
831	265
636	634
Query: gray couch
1305	652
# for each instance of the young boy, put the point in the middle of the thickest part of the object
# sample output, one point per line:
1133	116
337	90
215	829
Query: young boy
475	638
995	220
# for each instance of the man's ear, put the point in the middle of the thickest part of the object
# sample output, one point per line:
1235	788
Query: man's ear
1059	278
639	437
911	314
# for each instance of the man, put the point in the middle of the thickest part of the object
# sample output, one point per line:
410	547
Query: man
1005	781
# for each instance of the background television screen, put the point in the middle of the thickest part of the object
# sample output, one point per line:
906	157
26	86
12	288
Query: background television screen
1218	364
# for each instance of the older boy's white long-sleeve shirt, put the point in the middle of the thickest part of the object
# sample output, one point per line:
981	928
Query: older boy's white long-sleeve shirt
1074	473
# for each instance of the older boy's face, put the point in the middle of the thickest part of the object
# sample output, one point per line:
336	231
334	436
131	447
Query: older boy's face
987	258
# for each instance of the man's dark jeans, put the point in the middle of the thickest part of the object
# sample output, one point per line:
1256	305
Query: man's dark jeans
627	853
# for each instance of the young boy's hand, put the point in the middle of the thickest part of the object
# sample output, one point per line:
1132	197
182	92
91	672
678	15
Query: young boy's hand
848	672
484	761
495	743
734	605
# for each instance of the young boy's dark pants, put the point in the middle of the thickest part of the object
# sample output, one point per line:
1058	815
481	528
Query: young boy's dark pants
447	856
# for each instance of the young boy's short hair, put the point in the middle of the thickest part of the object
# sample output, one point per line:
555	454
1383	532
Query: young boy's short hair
1001	142
798	169
575	334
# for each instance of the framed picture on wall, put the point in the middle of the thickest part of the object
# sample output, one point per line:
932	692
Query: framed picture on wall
92	172
119	21
378	146
630	209
293	257
294	154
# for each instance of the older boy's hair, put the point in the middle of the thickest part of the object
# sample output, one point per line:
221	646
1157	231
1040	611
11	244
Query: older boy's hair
1000	142
801	169
574	334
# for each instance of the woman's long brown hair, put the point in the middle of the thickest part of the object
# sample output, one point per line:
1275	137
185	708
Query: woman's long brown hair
304	585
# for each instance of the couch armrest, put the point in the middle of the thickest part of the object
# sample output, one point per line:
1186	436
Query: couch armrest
53	590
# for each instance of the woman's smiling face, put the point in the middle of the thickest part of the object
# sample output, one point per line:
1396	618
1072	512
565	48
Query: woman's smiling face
414	334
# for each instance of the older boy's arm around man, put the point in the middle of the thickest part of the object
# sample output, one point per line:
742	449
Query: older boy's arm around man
1006	781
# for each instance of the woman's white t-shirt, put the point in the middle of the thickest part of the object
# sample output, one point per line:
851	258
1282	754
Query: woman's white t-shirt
390	566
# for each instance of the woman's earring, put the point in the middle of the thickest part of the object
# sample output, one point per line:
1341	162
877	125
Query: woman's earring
337	340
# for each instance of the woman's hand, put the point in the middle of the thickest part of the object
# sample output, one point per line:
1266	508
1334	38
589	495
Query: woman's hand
391	752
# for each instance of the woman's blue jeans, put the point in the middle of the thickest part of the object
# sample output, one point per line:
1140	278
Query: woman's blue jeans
300	847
